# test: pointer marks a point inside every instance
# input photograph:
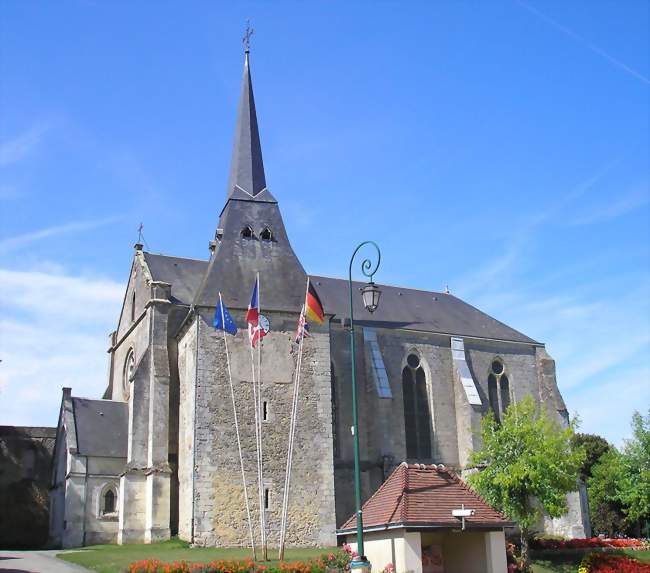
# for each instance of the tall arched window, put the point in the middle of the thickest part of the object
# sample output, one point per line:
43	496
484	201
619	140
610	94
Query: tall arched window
498	389
417	417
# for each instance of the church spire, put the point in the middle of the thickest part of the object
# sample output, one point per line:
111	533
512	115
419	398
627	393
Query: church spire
247	180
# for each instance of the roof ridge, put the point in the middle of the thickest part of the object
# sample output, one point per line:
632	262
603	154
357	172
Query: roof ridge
386	285
175	257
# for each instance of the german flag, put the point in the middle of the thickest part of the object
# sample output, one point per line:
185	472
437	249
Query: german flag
314	307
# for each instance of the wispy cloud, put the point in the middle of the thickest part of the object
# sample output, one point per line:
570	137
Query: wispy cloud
53	333
500	268
586	43
20	146
19	241
618	208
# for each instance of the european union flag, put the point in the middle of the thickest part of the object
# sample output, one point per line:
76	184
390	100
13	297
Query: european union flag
223	320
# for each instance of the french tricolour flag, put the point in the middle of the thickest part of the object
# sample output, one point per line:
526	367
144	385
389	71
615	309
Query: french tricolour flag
255	331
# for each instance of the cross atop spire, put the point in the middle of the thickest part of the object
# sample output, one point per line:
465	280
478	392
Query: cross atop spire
247	37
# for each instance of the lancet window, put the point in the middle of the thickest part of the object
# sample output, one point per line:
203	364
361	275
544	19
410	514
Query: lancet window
498	389
417	415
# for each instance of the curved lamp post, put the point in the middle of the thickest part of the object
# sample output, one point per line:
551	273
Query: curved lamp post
370	294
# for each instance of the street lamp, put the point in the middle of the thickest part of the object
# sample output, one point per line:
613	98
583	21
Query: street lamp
370	294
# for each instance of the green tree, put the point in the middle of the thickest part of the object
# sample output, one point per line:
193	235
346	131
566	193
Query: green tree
619	487
636	480
529	465
605	490
594	446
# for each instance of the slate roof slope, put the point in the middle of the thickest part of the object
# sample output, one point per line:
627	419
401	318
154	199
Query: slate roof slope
102	427
416	495
417	310
420	310
183	274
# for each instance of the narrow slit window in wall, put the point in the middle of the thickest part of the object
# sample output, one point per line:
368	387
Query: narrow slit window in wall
266	497
265	411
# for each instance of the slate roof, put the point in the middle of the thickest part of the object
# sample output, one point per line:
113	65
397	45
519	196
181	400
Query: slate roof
102	427
419	310
426	311
183	274
416	495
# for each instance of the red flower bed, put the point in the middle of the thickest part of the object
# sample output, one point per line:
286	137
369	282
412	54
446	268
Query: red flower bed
338	559
603	563
591	543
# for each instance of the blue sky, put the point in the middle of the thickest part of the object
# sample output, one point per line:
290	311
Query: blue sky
498	147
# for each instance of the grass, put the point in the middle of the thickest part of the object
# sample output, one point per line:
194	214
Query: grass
116	558
569	562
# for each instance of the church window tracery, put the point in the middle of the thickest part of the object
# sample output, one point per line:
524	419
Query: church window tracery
266	235
247	232
498	389
417	415
127	376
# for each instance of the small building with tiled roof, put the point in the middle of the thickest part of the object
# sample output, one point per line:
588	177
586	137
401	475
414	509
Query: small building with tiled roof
409	522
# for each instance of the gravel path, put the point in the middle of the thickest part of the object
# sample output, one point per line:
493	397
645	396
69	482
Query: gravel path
36	562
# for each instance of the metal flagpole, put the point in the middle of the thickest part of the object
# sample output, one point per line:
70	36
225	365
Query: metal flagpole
257	427
257	430
292	428
234	410
259	419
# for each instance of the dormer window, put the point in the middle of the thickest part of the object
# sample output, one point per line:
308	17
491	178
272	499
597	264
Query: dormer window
266	235
247	232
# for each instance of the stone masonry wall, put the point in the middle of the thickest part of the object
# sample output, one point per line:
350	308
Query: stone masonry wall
220	517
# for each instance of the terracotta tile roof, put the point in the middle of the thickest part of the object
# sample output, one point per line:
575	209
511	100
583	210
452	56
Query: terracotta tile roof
425	495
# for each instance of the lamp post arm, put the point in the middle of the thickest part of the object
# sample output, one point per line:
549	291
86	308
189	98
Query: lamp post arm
368	269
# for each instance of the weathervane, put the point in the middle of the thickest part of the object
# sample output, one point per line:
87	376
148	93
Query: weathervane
247	36
140	234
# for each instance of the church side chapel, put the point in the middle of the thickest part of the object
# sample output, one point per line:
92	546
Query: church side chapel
161	453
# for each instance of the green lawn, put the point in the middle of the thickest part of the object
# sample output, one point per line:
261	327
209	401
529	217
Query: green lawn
116	558
569	563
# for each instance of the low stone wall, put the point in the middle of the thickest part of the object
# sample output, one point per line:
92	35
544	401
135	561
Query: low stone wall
25	465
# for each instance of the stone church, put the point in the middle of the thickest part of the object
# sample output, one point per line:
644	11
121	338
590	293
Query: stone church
156	456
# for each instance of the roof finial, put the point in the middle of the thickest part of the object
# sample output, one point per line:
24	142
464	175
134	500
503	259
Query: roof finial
447	291
247	37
